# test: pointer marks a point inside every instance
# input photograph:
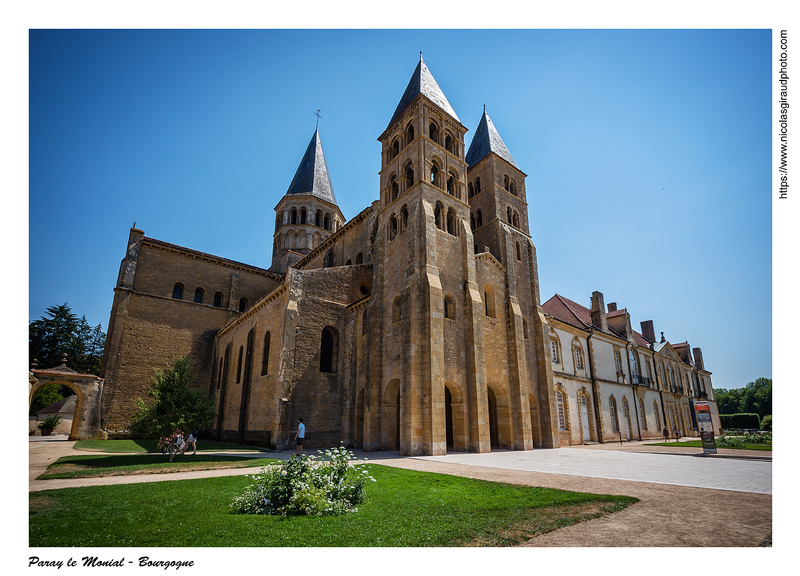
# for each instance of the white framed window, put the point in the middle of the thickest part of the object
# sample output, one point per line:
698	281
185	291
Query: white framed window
554	351
613	408
578	359
562	421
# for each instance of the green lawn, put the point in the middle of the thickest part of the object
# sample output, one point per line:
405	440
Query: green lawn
404	508
84	466
142	446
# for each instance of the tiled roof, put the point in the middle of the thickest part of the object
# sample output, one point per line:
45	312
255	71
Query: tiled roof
422	82
568	311
208	256
616	313
312	175
485	141
64	405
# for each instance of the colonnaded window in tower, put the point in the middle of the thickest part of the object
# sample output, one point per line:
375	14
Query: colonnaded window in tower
394	187
242	304
488	301
329	350
433	132
218	300
265	358
392	227
477	185
435	174
451	184
451	221
409	173
403	219
562	421
359	258
409	133
177	291
318	219
395	148
506	182
198	295
438	216
449	143
470	190
509	215
302	215
293	216
327	222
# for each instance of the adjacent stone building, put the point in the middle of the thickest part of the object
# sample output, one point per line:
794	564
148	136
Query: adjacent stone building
415	326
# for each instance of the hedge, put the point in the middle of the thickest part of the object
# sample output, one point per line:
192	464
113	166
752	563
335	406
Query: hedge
744	420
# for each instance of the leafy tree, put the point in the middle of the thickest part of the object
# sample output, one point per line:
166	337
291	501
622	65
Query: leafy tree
62	332
755	398
173	404
47	395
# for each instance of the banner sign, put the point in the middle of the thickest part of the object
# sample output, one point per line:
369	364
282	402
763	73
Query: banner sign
703	412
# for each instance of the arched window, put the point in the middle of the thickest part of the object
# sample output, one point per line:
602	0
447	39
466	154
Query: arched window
509	215
634	366
488	301
359	258
516	219
451	221
177	291
512	188
658	418
519	253
396	311
451	185
327	222
472	221
524	328
409	133
448	144
434	173
318	219
218	300
505	182
470	190
239	365
265	358
554	355
480	219
643	415
392	227
327	262
403	218
198	295
242	304
449	307
394	187
329	350
433	132
477	185
438	216
409	172
293	217
395	148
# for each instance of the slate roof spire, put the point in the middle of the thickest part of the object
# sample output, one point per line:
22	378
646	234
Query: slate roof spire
485	141
422	82
312	175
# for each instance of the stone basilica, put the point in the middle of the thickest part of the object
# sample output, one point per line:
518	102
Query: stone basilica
415	326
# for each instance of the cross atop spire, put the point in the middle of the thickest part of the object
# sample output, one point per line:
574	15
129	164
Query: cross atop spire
318	116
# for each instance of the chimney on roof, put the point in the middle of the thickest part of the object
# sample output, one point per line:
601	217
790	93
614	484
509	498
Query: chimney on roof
599	318
648	331
698	358
612	307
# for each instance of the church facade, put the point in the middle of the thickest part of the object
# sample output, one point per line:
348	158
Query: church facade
415	326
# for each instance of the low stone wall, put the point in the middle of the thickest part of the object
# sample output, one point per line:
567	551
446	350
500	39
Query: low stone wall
64	427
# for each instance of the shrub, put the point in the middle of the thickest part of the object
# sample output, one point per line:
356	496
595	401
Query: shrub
331	484
766	423
50	422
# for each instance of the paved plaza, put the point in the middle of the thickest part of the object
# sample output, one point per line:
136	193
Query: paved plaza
714	472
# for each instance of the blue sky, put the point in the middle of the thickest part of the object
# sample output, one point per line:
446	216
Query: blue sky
648	162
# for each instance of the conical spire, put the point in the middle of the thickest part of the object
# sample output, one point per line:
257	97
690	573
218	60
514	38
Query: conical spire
422	82
485	141
312	175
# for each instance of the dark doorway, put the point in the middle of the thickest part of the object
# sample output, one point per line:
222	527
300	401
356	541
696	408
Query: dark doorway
448	416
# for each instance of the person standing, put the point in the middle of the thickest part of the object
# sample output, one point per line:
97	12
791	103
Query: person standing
300	436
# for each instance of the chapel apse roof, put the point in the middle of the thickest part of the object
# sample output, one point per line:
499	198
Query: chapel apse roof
422	82
487	140
312	176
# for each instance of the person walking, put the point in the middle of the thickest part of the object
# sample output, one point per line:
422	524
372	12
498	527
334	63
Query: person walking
666	434
677	433
300	436
191	439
